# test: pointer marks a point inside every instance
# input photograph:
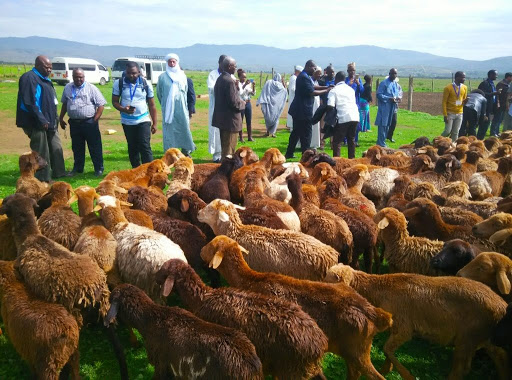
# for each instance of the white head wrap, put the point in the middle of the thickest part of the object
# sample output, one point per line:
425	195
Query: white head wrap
178	77
299	68
318	68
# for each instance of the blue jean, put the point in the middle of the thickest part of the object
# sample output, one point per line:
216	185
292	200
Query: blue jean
382	133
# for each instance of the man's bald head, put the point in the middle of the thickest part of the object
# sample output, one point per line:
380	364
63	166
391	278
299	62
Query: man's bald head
229	65
43	65
78	77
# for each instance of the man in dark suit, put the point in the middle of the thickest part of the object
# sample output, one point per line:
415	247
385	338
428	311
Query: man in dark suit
301	109
227	113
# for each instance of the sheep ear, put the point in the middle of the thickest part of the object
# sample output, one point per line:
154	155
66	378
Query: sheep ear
96	196
243	153
378	156
361	174
243	250
449	164
184	205
121	190
503	282
422	151
498	238
123	203
217	259
112	313
384	222
73	199
223	216
323	172
167	286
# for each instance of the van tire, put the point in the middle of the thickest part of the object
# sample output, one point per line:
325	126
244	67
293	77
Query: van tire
103	82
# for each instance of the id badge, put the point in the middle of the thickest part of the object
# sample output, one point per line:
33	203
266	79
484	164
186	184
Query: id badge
458	103
72	107
55	101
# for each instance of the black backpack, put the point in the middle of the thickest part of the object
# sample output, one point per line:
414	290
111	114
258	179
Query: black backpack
140	79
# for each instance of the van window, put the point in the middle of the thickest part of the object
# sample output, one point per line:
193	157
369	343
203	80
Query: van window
157	66
83	66
58	66
119	65
101	67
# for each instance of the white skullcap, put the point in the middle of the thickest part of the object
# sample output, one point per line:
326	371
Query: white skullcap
318	68
172	55
299	68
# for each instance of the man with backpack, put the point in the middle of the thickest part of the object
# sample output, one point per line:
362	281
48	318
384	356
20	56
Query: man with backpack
134	98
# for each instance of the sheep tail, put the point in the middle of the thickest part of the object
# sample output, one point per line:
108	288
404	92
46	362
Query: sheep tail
383	320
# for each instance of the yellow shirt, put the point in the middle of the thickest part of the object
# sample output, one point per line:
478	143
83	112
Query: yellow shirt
450	98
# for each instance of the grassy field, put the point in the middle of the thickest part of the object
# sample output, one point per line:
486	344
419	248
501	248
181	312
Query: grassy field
424	360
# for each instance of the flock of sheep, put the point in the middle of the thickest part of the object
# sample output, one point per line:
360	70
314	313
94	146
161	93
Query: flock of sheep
287	238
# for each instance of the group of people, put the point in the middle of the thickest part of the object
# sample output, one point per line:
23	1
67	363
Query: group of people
319	101
489	105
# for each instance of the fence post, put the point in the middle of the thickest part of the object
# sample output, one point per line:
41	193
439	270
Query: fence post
261	76
272	73
469	82
377	85
432	84
409	97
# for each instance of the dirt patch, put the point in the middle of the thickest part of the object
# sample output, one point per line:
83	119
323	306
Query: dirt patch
428	102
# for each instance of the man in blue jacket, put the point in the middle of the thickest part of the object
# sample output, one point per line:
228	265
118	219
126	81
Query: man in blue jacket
36	113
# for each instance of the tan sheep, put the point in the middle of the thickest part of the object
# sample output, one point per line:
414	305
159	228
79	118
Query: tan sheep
182	176
28	184
280	251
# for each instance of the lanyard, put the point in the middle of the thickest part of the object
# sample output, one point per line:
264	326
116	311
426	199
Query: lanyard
134	89
457	93
76	92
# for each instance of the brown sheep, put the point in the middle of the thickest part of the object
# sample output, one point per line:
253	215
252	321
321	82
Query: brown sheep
288	341
492	225
321	224
121	176
28	184
321	172
454	256
441	173
490	183
254	196
404	253
503	240
397	198
271	158
444	310
348	320
44	334
492	269
217	186
7	245
355	177
362	227
202	172
468	168
59	222
182	176
173	336
280	251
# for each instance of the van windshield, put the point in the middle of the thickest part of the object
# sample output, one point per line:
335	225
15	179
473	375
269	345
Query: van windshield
120	65
58	66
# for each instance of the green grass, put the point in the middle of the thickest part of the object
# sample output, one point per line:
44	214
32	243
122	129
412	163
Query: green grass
425	360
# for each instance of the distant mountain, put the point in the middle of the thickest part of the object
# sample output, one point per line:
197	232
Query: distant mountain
371	59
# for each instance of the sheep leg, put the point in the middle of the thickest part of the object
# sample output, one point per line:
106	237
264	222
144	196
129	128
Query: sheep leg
355	260
368	259
500	359
461	363
353	372
118	351
74	365
395	340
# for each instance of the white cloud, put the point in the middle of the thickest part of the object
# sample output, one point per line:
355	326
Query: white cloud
469	29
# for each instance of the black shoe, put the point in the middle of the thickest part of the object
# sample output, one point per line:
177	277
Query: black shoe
72	173
98	173
391	139
289	157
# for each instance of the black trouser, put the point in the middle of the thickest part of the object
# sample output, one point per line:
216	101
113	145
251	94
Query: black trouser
302	130
247	113
469	122
138	137
483	127
341	131
392	127
83	131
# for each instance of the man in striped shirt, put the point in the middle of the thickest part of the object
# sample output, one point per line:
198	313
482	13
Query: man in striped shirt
84	104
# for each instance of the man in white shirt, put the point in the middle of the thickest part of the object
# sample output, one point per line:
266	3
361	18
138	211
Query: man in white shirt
291	94
343	98
213	133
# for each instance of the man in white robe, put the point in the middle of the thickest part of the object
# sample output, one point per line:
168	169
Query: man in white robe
213	133
291	94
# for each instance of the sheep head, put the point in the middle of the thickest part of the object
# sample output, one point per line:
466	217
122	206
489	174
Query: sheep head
125	299
355	175
184	168
420	142
505	165
159	180
171	156
221	246
274	157
30	162
390	216
247	155
219	214
457	189
169	272
492	225
340	273
322	172
157	166
454	256
374	153
108	187
18	204
490	268
425	190
183	199
446	164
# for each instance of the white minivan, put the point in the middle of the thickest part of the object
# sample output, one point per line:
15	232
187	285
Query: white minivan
62	68
151	69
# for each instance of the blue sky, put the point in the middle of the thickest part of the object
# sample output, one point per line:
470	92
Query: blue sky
470	29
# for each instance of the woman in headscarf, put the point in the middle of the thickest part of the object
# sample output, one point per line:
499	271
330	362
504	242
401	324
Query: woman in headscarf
353	81
315	132
171	91
272	100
